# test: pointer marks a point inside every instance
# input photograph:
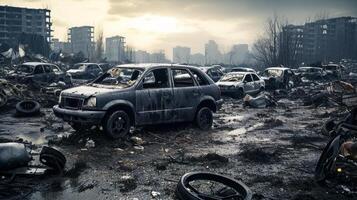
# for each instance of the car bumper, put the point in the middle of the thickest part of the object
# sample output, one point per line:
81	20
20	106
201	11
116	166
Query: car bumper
79	116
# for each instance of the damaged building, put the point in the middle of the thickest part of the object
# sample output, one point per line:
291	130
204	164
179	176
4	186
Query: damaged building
29	27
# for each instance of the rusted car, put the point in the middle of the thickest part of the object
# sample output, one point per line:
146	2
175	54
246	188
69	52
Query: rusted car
85	71
278	78
38	73
141	94
237	84
214	72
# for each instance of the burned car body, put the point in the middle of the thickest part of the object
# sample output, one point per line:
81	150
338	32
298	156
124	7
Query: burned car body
311	73
214	72
277	77
333	70
85	71
238	84
242	69
39	73
142	94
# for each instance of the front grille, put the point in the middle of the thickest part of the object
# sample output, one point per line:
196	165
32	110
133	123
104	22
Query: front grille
72	103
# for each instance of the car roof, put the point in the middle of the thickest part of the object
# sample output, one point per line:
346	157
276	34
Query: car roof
36	63
279	68
242	73
153	65
247	68
310	68
86	64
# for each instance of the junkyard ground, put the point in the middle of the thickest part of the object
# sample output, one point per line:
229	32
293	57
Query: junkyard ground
272	150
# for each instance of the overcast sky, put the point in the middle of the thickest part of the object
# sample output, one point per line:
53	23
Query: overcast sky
162	24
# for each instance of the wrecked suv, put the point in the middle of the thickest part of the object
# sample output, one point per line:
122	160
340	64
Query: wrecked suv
141	94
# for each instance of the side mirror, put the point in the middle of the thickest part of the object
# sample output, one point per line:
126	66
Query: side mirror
244	81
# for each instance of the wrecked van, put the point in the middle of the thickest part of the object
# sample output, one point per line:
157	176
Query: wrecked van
141	94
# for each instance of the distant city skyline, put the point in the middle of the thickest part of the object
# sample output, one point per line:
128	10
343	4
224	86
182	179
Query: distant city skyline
155	25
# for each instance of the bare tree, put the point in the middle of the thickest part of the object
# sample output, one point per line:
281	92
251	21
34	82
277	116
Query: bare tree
266	48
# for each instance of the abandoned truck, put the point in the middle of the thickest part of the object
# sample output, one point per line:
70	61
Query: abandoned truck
38	73
141	94
237	84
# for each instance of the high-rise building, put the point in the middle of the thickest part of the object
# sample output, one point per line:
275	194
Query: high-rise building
115	49
320	41
197	59
81	39
291	48
181	54
25	25
212	54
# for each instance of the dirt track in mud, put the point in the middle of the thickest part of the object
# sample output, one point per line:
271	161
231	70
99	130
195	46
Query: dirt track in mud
272	150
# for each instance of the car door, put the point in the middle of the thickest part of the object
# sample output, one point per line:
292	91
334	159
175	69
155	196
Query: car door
154	97
39	75
51	76
248	84
257	83
186	94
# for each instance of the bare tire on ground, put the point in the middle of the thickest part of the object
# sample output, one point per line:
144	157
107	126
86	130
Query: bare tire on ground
27	108
204	118
117	124
233	189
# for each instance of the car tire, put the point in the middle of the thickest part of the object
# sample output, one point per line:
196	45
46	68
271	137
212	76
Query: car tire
184	190
52	158
27	108
239	94
204	118
117	124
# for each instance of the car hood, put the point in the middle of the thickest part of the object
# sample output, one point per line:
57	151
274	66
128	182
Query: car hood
85	91
75	71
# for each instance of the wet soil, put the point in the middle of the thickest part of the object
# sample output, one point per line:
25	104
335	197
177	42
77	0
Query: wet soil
273	151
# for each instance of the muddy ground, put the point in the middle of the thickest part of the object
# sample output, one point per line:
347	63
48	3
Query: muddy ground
272	150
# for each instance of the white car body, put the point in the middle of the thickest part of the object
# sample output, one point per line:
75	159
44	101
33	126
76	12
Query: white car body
241	83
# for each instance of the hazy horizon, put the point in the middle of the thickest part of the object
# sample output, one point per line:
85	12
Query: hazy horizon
157	24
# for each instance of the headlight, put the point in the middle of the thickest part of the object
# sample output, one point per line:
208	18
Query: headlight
91	102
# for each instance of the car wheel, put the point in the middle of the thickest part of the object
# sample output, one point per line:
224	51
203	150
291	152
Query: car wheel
239	94
79	126
117	125
204	118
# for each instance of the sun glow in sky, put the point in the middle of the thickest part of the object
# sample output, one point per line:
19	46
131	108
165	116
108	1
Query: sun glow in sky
163	24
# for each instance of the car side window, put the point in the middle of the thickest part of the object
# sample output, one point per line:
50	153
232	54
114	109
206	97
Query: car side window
38	69
47	68
182	78
248	78
55	68
255	77
199	78
157	78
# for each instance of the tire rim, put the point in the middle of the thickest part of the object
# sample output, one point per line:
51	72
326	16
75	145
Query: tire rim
119	125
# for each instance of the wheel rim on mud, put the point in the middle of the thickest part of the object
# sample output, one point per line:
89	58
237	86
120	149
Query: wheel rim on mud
119	126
